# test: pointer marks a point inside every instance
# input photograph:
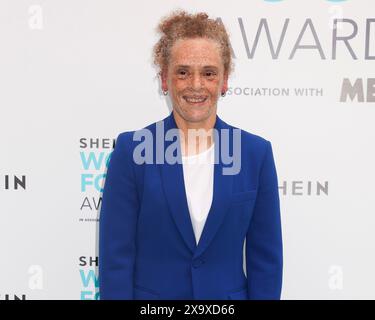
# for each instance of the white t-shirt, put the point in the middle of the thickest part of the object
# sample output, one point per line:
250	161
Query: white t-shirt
198	177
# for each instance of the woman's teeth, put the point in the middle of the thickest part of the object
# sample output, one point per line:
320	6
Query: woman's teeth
195	100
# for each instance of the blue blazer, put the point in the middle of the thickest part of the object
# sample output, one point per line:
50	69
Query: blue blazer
147	247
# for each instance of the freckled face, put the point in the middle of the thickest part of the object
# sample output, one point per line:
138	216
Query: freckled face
195	78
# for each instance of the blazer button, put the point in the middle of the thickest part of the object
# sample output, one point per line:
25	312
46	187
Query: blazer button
197	263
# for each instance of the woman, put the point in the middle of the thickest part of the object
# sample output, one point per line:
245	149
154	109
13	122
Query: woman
176	229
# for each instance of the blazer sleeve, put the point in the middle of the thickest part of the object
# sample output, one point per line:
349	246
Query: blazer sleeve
117	226
264	252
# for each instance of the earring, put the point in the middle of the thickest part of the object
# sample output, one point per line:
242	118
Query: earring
165	92
223	94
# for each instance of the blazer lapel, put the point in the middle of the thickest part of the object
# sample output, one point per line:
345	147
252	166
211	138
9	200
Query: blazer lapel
174	187
222	191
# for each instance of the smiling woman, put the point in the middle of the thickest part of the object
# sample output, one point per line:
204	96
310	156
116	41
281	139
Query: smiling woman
194	58
176	230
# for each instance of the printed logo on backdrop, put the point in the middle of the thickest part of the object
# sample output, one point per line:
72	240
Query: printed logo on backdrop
13	182
275	92
12	296
283	44
94	158
88	272
304	188
359	90
349	38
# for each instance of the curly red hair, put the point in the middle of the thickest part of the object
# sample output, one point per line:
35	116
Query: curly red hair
182	25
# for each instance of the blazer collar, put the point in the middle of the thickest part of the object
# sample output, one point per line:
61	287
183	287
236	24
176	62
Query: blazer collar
174	188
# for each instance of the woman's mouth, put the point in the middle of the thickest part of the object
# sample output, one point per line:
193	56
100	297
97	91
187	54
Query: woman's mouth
195	100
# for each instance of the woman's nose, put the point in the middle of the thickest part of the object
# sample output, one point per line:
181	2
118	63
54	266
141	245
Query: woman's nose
197	81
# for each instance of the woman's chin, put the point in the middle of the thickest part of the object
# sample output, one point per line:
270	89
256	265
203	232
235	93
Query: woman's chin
198	115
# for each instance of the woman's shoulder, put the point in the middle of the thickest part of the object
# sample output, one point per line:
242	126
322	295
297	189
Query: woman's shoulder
251	139
130	136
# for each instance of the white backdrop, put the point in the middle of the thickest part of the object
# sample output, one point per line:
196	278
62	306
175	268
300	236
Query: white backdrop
74	74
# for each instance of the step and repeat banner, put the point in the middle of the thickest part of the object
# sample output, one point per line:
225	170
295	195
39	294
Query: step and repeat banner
76	73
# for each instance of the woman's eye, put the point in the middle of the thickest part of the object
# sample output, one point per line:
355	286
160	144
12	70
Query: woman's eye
210	73
182	72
